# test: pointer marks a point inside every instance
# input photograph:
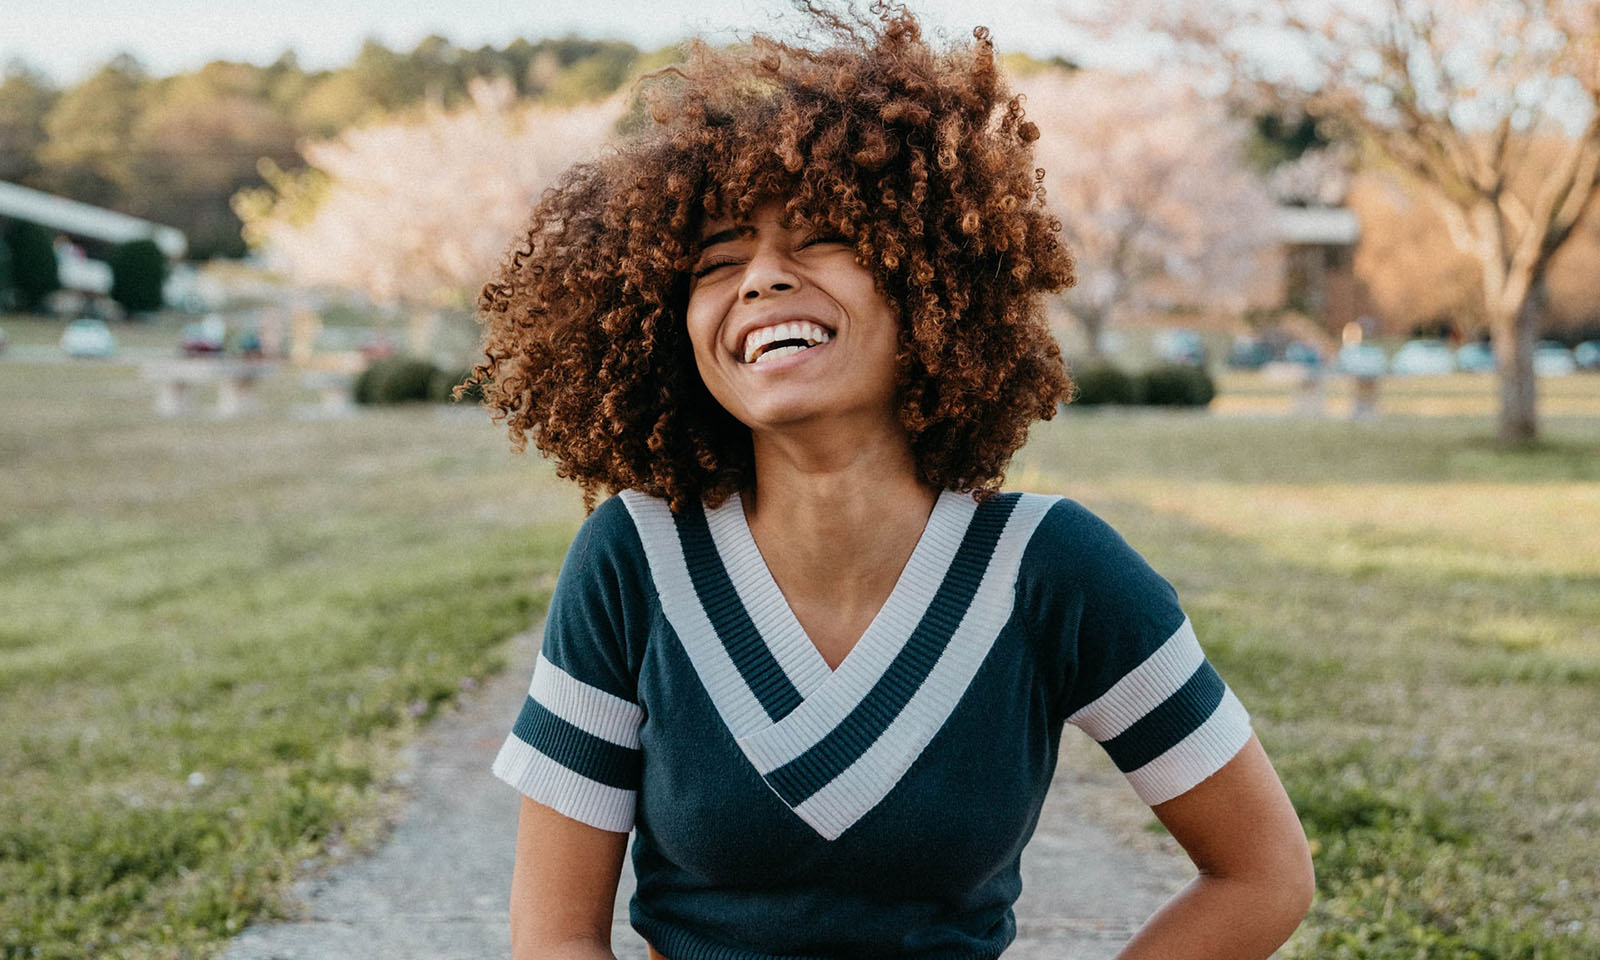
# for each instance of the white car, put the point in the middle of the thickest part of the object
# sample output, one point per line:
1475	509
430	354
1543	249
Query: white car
88	337
1551	359
1423	358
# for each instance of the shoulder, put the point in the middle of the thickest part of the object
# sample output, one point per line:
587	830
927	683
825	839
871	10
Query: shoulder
1073	549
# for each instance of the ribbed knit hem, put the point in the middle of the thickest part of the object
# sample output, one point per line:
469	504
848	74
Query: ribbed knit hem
1195	757
674	943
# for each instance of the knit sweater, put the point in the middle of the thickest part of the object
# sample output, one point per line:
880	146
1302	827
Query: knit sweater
784	809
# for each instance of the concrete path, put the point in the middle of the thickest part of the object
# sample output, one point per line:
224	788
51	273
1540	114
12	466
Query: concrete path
438	887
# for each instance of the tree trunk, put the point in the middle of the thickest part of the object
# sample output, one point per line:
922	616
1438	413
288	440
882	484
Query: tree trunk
1514	338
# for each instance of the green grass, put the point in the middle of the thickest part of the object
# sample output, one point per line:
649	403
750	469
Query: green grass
1413	617
217	634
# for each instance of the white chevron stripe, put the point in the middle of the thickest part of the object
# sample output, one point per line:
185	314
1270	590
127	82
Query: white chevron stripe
1197	756
762	599
884	638
741	712
1143	688
563	790
588	708
863	785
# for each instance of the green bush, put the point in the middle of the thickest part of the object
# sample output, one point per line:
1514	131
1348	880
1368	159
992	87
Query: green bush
445	381
1176	385
395	380
1102	383
138	271
33	263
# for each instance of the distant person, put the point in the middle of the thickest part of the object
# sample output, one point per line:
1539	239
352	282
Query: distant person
809	651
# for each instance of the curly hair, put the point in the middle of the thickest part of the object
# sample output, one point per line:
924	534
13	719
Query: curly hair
920	157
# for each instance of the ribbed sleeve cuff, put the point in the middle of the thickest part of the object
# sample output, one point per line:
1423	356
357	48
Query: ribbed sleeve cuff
1195	757
565	791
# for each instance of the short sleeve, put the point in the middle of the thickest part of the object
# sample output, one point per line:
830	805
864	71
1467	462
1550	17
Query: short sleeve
1132	673
575	744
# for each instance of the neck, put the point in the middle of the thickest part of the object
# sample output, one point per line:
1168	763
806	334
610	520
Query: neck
846	509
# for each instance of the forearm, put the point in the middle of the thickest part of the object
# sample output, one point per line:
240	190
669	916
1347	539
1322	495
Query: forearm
1220	918
533	947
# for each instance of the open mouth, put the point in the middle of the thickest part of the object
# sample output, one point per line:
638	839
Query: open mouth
783	339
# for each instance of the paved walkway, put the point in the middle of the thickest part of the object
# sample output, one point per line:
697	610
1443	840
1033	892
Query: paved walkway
438	887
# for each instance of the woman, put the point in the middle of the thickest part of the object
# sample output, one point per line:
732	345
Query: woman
808	652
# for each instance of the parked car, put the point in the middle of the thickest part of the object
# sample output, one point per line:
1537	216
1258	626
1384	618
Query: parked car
1587	355
1298	351
1249	353
1362	360
1475	357
201	339
88	337
1551	359
1423	358
1179	346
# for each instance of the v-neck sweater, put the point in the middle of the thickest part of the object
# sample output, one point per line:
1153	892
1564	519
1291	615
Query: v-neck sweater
784	809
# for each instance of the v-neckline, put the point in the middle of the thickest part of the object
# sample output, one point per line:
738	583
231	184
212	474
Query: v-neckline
890	626
832	744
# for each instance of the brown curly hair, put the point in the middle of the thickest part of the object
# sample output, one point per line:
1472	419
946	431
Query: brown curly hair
921	158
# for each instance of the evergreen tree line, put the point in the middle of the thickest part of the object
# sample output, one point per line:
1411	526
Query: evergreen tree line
174	149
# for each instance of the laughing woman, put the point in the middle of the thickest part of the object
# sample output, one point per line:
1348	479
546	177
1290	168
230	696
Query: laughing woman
807	649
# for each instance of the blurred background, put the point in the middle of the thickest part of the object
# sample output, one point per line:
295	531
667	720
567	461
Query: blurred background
1336	336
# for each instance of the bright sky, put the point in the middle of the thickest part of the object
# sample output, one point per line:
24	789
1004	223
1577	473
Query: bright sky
69	38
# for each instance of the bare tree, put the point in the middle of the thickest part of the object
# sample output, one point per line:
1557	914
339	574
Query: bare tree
1147	179
1491	108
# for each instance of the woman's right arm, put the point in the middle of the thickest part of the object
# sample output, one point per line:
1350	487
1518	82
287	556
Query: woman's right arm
564	887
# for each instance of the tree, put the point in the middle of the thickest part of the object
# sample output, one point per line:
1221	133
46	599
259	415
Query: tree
25	99
419	212
33	262
1148	180
88	130
1491	109
138	270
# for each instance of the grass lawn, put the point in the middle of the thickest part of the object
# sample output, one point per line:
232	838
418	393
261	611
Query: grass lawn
217	634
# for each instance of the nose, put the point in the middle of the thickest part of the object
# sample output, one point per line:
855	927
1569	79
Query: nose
768	272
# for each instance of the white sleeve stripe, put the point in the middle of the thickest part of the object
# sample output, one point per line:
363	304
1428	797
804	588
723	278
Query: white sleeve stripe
1195	757
1144	688
590	709
568	793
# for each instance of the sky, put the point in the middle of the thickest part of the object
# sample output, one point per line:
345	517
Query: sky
68	39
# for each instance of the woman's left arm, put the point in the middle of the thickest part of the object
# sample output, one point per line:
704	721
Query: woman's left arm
1255	882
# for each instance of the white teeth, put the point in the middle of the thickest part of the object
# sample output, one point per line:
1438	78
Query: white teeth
777	352
793	330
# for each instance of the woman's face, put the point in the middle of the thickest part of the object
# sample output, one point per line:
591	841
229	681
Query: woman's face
788	329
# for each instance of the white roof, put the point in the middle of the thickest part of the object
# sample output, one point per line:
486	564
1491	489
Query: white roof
87	220
1317	225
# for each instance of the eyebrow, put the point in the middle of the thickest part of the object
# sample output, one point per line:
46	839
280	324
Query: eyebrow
722	236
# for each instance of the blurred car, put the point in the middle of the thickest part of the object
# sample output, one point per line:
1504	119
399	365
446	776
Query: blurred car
197	340
1362	360
1298	351
1423	358
1587	355
88	337
1182	347
1475	357
1249	353
1551	359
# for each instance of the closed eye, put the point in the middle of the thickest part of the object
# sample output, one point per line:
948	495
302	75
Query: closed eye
826	238
711	265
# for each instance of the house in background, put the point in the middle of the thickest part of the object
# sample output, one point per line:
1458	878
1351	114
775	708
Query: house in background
85	236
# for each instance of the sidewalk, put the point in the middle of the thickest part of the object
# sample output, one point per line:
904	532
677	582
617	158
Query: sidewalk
438	887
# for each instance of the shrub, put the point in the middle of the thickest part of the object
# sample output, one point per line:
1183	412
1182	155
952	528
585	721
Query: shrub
138	271
1176	385
33	263
395	380
445	381
1102	383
